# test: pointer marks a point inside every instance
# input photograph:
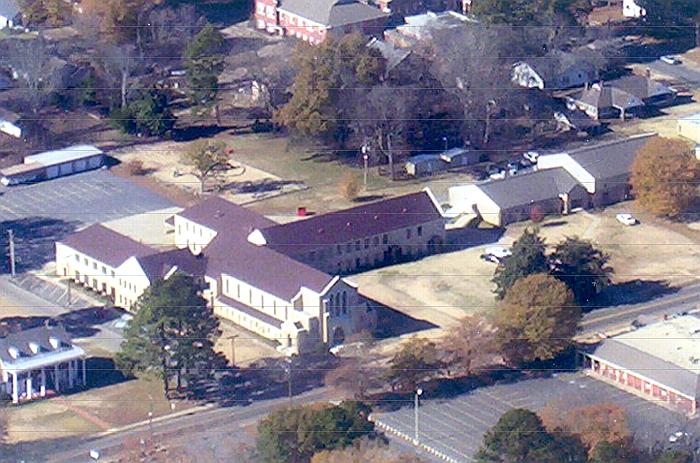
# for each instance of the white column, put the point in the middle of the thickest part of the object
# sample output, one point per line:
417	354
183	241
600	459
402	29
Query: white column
15	393
84	374
42	390
56	379
30	392
70	373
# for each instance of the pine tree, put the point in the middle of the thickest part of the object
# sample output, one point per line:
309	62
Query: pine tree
204	60
581	267
528	257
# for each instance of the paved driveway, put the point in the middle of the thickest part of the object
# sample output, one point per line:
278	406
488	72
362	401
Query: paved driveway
456	427
42	213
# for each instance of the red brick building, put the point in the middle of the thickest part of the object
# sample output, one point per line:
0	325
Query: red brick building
315	20
658	362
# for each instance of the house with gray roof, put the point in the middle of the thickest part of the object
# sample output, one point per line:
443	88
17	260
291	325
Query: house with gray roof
651	92
516	197
315	20
555	71
602	169
39	362
281	281
659	362
602	101
582	177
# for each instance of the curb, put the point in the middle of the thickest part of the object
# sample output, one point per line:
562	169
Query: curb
397	433
158	419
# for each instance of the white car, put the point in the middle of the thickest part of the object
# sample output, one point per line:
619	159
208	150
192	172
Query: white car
670	59
499	252
626	219
500	175
676	436
531	156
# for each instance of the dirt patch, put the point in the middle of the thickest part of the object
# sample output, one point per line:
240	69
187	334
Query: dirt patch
247	348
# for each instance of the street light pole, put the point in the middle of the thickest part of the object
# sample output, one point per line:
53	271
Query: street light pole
289	382
418	393
365	158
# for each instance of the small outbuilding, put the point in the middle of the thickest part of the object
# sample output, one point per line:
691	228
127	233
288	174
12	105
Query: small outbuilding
689	127
52	164
431	163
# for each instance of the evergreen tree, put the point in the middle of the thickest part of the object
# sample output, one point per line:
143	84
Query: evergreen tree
519	436
528	258
581	267
172	334
204	60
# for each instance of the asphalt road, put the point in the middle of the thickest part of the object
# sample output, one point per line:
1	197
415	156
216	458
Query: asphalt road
682	72
686	299
215	431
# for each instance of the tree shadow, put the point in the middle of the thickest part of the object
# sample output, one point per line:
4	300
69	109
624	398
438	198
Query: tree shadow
632	292
191	133
265	185
102	371
35	238
368	198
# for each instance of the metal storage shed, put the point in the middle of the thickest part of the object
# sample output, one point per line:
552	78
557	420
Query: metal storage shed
52	164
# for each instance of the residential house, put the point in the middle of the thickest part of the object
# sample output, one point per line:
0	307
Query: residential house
278	281
515	198
556	70
401	8
658	362
420	28
631	9
315	20
577	120
602	101
603	169
10	13
397	67
651	92
38	362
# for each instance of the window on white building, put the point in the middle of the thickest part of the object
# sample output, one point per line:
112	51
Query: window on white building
260	8
77	258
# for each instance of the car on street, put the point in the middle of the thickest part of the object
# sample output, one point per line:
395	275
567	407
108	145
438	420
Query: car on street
626	219
670	59
531	156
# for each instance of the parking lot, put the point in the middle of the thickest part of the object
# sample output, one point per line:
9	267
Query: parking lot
41	213
455	427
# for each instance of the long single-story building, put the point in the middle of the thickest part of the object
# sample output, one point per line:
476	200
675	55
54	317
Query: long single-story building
279	281
515	198
590	176
39	361
660	362
52	164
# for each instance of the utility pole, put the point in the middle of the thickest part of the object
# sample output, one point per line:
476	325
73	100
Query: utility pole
68	291
11	237
289	382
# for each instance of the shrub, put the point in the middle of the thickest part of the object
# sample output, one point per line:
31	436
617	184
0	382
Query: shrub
349	186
